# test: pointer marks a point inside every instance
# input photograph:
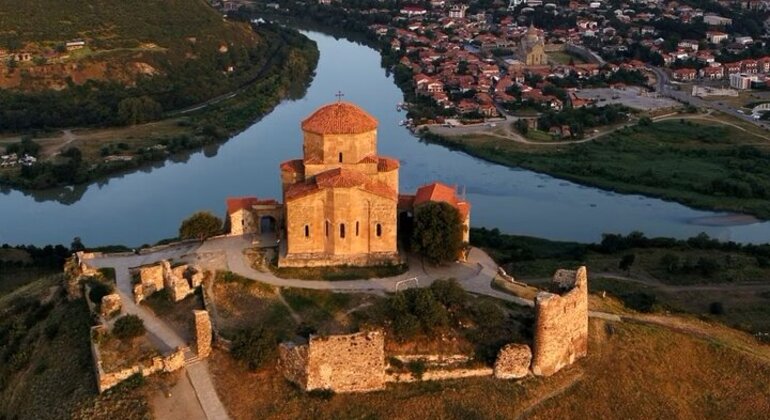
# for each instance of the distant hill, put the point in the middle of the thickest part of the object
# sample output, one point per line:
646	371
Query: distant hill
169	53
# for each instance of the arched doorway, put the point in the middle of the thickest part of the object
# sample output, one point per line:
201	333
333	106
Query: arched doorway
267	224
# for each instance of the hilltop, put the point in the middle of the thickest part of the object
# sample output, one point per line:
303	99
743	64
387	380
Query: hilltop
648	365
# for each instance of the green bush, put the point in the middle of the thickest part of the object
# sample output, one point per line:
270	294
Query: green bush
417	367
127	327
254	346
98	291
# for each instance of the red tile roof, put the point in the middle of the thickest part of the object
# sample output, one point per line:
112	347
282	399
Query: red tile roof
239	203
339	118
294	165
385	164
440	192
339	178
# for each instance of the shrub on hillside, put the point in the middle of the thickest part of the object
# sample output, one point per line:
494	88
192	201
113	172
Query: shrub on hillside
254	346
98	291
127	327
438	232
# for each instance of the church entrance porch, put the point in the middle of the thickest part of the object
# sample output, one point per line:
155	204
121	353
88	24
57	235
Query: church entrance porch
267	224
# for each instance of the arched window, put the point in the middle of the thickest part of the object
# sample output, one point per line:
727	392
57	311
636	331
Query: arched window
307	231
356	228
327	228
342	230
340	157
379	230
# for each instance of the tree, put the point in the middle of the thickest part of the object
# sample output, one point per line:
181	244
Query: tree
77	245
254	346
134	111
438	232
201	225
626	262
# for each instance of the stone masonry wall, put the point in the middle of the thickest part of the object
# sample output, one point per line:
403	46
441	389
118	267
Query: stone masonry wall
513	361
341	363
561	323
203	333
347	363
180	281
107	380
293	360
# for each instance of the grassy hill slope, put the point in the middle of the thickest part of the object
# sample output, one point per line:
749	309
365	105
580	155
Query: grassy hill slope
142	59
46	370
632	371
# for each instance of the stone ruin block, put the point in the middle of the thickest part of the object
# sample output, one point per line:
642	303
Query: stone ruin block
561	323
138	291
203	333
152	278
341	363
293	362
110	305
513	361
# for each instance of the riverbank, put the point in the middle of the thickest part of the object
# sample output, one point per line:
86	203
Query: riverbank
78	156
700	163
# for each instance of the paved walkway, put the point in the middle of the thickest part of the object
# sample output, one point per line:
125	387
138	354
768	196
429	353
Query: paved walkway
202	389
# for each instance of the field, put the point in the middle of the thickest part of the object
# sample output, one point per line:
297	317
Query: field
698	162
731	286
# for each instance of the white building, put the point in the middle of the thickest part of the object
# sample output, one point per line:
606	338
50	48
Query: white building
742	81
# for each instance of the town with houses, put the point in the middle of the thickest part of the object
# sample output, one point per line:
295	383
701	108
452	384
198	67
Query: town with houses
474	61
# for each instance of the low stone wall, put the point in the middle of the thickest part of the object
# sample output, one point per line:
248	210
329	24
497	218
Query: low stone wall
107	380
561	323
440	374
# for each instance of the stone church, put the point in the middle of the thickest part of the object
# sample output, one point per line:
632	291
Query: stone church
531	48
341	201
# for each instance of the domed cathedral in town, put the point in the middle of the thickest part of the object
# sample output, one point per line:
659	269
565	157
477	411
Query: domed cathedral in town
341	197
341	201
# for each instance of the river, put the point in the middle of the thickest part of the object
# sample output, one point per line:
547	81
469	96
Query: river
146	206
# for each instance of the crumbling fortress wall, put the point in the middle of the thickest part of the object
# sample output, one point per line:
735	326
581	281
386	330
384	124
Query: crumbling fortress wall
561	323
180	281
341	363
356	362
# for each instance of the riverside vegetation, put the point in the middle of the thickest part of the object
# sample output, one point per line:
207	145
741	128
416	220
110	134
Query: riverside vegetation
701	164
197	58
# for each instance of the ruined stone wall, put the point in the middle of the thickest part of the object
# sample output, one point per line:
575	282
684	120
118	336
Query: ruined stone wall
180	281
561	323
76	268
151	278
293	359
203	333
513	361
347	363
110	306
341	363
107	380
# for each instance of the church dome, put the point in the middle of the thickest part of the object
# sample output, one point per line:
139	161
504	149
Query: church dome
339	118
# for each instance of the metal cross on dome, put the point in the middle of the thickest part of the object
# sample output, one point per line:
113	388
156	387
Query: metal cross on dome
339	95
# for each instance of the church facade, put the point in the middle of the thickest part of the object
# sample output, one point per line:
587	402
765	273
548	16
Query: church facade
341	200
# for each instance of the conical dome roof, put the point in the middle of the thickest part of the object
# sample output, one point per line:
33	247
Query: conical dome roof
339	118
